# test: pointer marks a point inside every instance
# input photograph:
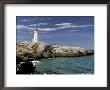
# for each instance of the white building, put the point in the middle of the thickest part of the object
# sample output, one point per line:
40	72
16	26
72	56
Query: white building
35	39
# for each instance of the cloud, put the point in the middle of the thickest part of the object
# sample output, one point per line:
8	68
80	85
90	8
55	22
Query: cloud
21	27
47	29
70	25
39	24
63	24
24	20
55	26
82	26
33	25
42	24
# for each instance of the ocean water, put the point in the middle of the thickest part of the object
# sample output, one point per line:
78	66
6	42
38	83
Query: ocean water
66	65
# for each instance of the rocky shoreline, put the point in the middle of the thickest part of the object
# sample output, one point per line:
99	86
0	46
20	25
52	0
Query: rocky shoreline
27	52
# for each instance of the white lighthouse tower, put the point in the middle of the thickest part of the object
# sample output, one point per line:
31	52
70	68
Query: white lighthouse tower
35	39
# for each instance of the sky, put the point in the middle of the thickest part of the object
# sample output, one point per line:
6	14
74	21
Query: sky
63	30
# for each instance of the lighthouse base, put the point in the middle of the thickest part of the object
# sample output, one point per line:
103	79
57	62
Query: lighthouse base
34	41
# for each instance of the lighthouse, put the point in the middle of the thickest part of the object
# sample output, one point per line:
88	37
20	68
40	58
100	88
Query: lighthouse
35	39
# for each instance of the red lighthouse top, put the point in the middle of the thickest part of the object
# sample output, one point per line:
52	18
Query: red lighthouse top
35	29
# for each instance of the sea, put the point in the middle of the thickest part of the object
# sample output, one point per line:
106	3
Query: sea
65	65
